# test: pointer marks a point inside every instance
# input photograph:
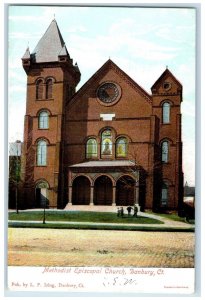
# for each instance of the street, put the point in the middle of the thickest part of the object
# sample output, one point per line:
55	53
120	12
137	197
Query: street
61	247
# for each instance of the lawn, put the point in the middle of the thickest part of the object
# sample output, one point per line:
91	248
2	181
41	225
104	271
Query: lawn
81	216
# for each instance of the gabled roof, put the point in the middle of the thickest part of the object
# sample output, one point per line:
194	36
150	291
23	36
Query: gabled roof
165	74
50	45
109	64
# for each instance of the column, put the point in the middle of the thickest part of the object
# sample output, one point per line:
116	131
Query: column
114	195
91	194
137	194
70	191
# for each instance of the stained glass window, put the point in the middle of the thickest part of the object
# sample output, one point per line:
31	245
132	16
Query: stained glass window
106	144
121	147
91	148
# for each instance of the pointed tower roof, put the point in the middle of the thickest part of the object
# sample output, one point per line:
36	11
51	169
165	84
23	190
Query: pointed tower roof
50	45
26	54
64	51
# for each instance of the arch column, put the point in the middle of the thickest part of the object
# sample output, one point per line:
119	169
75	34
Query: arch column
91	194
114	195
137	194
70	192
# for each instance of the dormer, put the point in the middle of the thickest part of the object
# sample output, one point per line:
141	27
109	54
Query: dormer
167	85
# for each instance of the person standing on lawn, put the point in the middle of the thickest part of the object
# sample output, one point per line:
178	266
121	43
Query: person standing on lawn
135	211
129	208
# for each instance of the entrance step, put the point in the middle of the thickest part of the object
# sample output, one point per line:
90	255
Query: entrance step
103	208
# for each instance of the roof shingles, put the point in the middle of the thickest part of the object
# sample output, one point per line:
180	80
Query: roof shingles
50	45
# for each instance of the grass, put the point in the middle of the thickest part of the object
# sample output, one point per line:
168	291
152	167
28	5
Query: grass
78	216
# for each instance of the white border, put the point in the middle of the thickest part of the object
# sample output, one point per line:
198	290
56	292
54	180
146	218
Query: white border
200	161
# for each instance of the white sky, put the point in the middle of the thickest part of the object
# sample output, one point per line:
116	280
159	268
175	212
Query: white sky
141	41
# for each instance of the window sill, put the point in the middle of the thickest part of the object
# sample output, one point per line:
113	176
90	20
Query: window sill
41	166
49	99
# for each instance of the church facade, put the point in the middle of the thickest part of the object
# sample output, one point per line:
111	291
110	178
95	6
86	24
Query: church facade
109	143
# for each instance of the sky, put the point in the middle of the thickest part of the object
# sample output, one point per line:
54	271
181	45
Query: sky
141	41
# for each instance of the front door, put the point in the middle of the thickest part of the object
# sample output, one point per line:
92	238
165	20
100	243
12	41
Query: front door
41	197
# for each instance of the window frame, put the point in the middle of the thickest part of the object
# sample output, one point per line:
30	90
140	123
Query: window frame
125	145
166	115
103	144
43	126
41	153
165	154
39	93
49	88
92	154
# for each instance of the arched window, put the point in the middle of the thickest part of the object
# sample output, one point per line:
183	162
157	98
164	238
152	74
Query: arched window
121	147
106	142
91	148
39	89
166	113
43	120
164	194
49	88
41	153
165	151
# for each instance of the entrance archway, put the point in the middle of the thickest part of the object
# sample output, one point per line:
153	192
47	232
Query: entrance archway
125	191
42	194
103	191
81	191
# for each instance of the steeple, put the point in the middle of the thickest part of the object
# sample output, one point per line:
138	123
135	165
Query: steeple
50	45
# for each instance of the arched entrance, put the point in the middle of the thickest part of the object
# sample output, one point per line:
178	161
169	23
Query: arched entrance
103	191
81	191
125	191
42	194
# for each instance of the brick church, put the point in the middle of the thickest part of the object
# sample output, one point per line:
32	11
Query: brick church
109	143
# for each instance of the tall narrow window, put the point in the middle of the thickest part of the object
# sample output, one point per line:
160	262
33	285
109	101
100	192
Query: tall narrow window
41	153
166	113
121	147
39	89
164	195
165	151
49	88
106	142
91	148
43	120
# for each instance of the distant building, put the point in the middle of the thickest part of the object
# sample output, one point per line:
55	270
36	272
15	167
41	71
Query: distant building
15	150
110	143
189	191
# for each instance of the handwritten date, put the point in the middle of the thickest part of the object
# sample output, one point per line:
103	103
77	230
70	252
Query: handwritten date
119	281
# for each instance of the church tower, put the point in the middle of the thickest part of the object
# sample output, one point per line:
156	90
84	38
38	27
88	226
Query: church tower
51	81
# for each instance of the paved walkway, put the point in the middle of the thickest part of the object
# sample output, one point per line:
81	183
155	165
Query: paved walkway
166	221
